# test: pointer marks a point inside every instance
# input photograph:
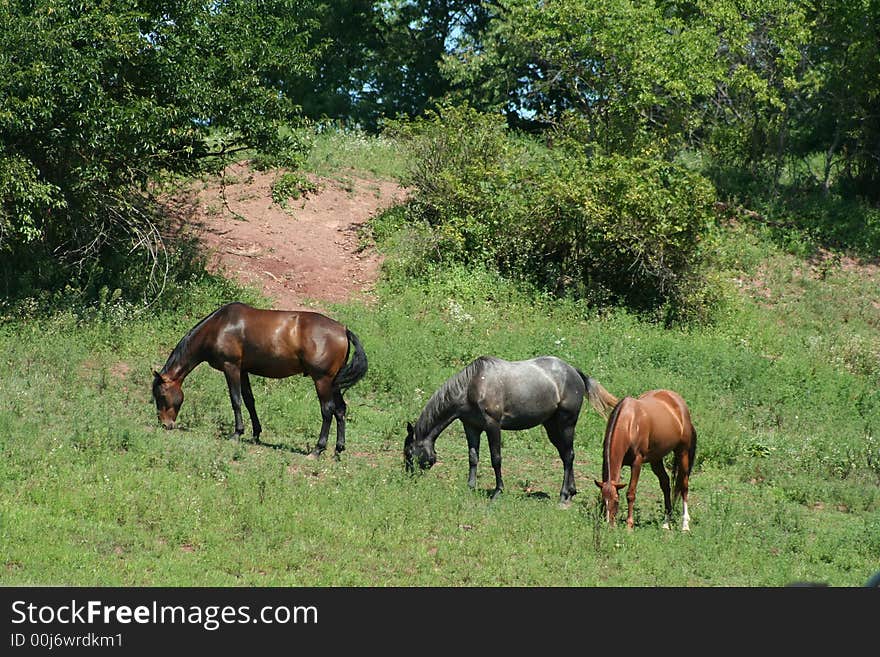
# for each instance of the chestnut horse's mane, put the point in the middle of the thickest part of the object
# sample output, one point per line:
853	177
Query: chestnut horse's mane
606	447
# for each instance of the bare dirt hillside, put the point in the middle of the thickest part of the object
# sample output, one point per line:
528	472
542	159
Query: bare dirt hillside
304	255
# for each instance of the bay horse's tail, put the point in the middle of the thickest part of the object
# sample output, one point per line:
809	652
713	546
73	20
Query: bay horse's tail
600	399
677	475
355	369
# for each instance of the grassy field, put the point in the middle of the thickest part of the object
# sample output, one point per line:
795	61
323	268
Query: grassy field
783	391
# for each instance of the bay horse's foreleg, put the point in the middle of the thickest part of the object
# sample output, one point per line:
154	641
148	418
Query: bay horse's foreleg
248	397
473	440
563	439
338	410
660	471
324	388
233	382
493	434
635	469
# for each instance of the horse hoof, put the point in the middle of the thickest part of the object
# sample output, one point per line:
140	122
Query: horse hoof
314	456
565	504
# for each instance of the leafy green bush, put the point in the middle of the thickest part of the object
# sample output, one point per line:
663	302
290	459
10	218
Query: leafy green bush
291	185
610	229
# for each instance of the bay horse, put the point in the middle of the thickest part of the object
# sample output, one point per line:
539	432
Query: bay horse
491	394
644	430
240	340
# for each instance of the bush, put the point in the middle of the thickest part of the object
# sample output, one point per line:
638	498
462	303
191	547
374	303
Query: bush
609	229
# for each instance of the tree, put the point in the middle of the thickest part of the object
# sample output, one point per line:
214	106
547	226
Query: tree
843	119
96	100
630	70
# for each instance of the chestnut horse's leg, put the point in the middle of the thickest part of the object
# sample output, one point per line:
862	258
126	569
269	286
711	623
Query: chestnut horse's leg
684	466
248	396
635	469
233	382
493	434
563	439
660	471
473	440
324	388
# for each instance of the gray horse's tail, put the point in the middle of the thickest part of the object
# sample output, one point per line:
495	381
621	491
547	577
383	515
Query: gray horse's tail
355	369
600	399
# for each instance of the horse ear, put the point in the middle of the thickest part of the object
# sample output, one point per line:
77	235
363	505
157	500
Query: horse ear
410	435
597	482
620	485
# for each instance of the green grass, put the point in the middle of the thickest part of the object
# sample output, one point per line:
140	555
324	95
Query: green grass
93	492
337	152
783	390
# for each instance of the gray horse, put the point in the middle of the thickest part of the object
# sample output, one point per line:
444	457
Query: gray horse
492	394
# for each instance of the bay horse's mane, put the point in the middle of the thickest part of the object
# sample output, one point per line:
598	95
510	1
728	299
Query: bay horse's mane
452	390
606	446
180	350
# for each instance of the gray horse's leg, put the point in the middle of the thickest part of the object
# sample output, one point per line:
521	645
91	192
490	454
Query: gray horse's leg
660	470
473	439
493	434
561	434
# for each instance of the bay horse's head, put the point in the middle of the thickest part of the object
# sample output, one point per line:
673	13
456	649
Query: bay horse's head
610	497
168	397
420	451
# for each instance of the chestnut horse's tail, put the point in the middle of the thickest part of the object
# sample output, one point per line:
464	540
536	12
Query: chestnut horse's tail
355	369
677	474
600	399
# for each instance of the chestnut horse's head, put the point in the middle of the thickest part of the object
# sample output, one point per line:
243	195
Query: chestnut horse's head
610	497
168	397
414	450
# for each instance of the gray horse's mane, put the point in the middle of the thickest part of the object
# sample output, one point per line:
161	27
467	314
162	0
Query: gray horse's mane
451	392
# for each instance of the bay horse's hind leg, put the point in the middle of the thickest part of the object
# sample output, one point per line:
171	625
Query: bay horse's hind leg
233	382
561	434
338	410
660	471
324	388
248	397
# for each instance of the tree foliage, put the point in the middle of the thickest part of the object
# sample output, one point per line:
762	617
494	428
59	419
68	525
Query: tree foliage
771	97
97	99
607	228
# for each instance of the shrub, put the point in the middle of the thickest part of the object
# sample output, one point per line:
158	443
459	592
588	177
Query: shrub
609	229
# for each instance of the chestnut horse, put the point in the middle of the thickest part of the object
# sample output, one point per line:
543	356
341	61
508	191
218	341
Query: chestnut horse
239	340
644	430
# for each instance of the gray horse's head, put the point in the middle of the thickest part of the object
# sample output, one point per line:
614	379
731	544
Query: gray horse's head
417	451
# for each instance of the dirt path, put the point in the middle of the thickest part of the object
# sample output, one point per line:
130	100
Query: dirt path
302	256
